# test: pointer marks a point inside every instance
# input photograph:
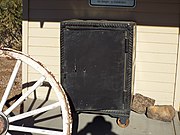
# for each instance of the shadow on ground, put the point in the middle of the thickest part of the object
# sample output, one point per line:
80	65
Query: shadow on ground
99	126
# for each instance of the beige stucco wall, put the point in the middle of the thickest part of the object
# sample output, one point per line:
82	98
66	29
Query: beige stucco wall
177	84
156	62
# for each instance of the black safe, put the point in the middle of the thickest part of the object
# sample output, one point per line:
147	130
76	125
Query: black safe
97	65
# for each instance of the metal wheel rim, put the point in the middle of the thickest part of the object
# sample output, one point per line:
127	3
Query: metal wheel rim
46	75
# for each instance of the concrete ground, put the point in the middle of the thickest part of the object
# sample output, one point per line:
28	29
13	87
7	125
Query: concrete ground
139	125
94	124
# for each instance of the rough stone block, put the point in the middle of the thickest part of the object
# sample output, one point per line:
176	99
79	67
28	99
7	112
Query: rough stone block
140	103
161	112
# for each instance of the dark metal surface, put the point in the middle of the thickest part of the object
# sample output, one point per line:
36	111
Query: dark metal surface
96	60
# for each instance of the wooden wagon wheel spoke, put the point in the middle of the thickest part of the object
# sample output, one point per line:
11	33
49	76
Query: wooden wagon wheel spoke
24	96
35	130
34	112
8	122
10	84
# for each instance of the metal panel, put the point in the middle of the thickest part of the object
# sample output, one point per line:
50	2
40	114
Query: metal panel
97	65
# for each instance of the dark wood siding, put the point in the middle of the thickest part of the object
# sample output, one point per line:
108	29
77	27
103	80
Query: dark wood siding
146	12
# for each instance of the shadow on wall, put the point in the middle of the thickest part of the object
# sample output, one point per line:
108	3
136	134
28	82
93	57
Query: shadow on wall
148	12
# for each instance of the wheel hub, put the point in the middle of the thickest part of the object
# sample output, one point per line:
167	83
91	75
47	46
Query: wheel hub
3	124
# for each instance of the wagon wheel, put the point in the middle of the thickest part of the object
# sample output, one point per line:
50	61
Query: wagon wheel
6	120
